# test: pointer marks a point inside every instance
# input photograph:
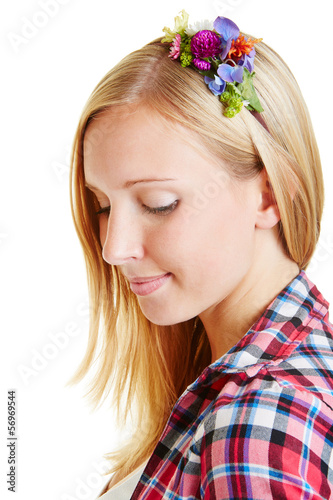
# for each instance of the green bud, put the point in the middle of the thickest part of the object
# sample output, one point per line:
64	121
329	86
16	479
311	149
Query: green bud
225	96
234	102
230	112
185	59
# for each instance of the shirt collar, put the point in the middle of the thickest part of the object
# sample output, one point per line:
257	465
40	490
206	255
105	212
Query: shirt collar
275	335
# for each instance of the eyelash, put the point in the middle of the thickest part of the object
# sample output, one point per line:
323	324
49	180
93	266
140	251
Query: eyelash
165	210
103	211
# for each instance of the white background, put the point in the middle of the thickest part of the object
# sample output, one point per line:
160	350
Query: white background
46	79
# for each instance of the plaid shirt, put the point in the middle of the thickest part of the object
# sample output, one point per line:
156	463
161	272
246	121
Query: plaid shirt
257	423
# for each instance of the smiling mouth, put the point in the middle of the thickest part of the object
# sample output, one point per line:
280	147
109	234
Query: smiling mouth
145	286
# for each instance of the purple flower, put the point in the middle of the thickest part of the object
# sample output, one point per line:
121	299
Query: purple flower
201	64
230	73
247	61
205	43
215	85
228	31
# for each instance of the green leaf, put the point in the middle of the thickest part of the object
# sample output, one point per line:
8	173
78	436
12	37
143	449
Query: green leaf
248	92
233	89
210	73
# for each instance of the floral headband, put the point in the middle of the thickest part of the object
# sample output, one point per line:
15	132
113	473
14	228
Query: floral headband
219	52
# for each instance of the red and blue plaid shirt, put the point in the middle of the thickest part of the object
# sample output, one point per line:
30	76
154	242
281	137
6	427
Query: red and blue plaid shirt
257	423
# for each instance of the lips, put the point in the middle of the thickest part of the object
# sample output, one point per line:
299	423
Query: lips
146	285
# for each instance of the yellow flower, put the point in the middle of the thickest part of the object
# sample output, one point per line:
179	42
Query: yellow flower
181	23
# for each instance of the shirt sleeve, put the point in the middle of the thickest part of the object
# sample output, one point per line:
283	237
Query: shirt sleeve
266	444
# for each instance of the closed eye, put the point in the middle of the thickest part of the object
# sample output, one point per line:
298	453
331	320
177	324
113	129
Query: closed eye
104	210
165	210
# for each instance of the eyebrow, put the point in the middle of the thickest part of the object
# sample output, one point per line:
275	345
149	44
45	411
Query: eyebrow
131	183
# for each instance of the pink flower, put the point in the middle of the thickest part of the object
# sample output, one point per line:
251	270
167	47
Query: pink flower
175	47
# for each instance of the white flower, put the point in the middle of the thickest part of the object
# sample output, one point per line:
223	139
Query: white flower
199	26
181	23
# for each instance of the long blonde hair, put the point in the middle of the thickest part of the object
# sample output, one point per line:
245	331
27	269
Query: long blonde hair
148	366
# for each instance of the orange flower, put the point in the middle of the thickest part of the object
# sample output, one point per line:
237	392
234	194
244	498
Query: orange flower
242	46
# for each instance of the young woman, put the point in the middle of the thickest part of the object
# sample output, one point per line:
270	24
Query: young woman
197	195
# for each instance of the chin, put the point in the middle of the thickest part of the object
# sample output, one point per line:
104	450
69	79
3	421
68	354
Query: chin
161	319
161	316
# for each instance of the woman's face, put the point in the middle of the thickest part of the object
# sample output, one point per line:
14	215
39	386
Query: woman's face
176	225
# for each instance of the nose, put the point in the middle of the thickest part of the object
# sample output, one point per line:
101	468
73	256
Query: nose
123	238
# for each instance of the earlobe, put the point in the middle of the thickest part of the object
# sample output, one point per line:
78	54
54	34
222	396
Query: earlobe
268	214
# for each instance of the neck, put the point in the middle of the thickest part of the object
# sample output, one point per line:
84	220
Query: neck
272	270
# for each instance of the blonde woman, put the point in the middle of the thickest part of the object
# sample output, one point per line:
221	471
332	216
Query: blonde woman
197	195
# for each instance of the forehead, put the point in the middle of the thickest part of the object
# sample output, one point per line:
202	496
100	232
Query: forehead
121	140
124	128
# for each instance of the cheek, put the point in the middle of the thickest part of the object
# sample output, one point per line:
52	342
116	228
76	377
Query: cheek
181	244
218	236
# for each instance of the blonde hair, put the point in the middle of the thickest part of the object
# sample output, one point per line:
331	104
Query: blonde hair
148	366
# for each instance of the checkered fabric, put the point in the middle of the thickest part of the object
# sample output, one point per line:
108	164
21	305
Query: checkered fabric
257	423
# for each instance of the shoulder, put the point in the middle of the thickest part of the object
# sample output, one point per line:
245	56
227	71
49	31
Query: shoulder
274	437
270	398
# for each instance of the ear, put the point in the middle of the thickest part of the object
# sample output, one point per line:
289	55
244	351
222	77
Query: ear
268	214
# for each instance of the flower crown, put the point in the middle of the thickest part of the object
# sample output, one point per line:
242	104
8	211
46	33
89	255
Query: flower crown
219	52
